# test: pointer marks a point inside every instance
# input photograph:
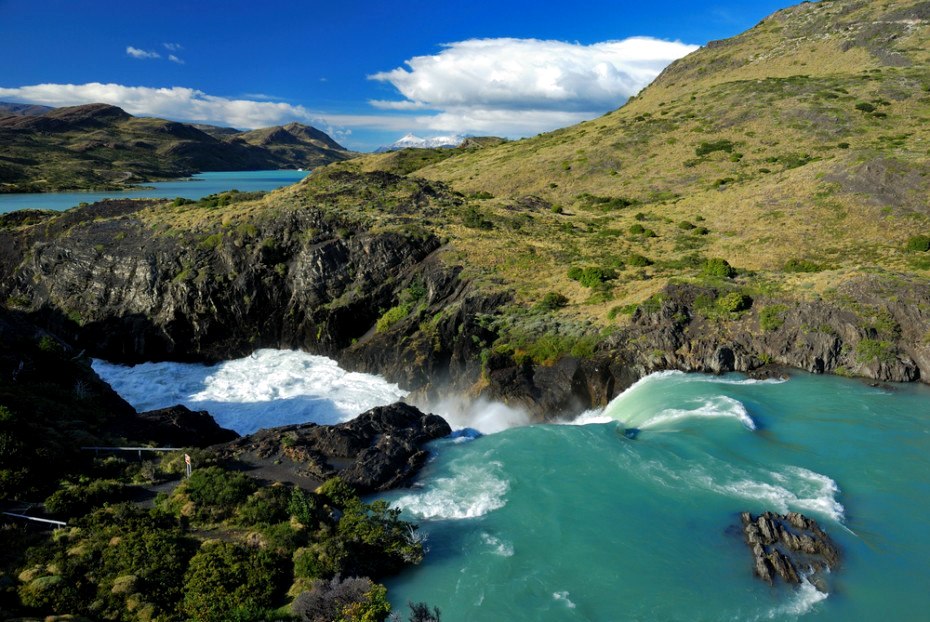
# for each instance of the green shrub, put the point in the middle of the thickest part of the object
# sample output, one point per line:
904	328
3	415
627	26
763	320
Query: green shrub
77	498
637	229
473	219
323	559
865	107
392	316
216	492
718	268
225	581
265	507
918	244
874	351
592	276
801	265
707	148
552	301
686	226
337	492
638	261
772	317
305	507
734	302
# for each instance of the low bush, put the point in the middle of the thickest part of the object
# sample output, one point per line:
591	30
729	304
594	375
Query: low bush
217	492
772	317
706	148
801	265
638	261
552	301
734	302
717	267
918	244
592	276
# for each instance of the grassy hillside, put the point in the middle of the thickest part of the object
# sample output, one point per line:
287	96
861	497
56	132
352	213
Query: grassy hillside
100	146
797	151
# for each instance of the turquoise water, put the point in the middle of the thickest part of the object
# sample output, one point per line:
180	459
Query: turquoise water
196	187
579	522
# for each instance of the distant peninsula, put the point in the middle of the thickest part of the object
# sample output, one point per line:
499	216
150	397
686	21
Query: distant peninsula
102	147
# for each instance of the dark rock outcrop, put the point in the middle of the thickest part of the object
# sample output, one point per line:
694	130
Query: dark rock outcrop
378	450
873	328
175	426
788	546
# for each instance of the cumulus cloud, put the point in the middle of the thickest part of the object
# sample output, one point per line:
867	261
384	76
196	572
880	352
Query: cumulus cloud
141	54
175	59
482	84
173	47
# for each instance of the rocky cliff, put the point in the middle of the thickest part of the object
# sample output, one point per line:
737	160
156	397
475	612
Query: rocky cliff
350	265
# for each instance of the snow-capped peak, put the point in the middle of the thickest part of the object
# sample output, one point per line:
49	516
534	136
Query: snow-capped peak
415	142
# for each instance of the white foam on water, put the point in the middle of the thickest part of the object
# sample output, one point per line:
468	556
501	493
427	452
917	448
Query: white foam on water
563	597
483	415
791	489
720	406
498	546
805	598
267	389
589	417
471	491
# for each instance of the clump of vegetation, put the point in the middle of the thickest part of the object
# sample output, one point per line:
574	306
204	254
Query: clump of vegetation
874	351
392	316
918	244
706	148
734	302
638	229
552	301
474	219
592	276
76	498
606	204
717	267
772	317
801	265
413	295
638	261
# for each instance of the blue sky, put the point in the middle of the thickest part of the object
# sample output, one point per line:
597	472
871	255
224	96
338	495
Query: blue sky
367	72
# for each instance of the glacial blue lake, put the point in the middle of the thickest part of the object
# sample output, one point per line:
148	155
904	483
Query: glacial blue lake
195	187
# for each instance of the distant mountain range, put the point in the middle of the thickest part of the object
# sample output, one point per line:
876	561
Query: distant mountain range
415	142
98	146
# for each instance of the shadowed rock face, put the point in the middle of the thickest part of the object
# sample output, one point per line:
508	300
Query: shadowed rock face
378	450
789	546
175	426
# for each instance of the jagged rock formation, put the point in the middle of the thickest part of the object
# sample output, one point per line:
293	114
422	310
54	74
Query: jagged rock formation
378	450
789	546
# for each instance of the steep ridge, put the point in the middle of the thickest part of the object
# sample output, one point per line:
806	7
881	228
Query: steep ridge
102	146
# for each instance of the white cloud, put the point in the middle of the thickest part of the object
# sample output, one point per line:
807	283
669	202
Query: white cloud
141	54
524	86
173	103
173	47
175	59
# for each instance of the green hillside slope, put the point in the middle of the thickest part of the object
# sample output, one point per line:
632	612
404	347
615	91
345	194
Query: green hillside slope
803	140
